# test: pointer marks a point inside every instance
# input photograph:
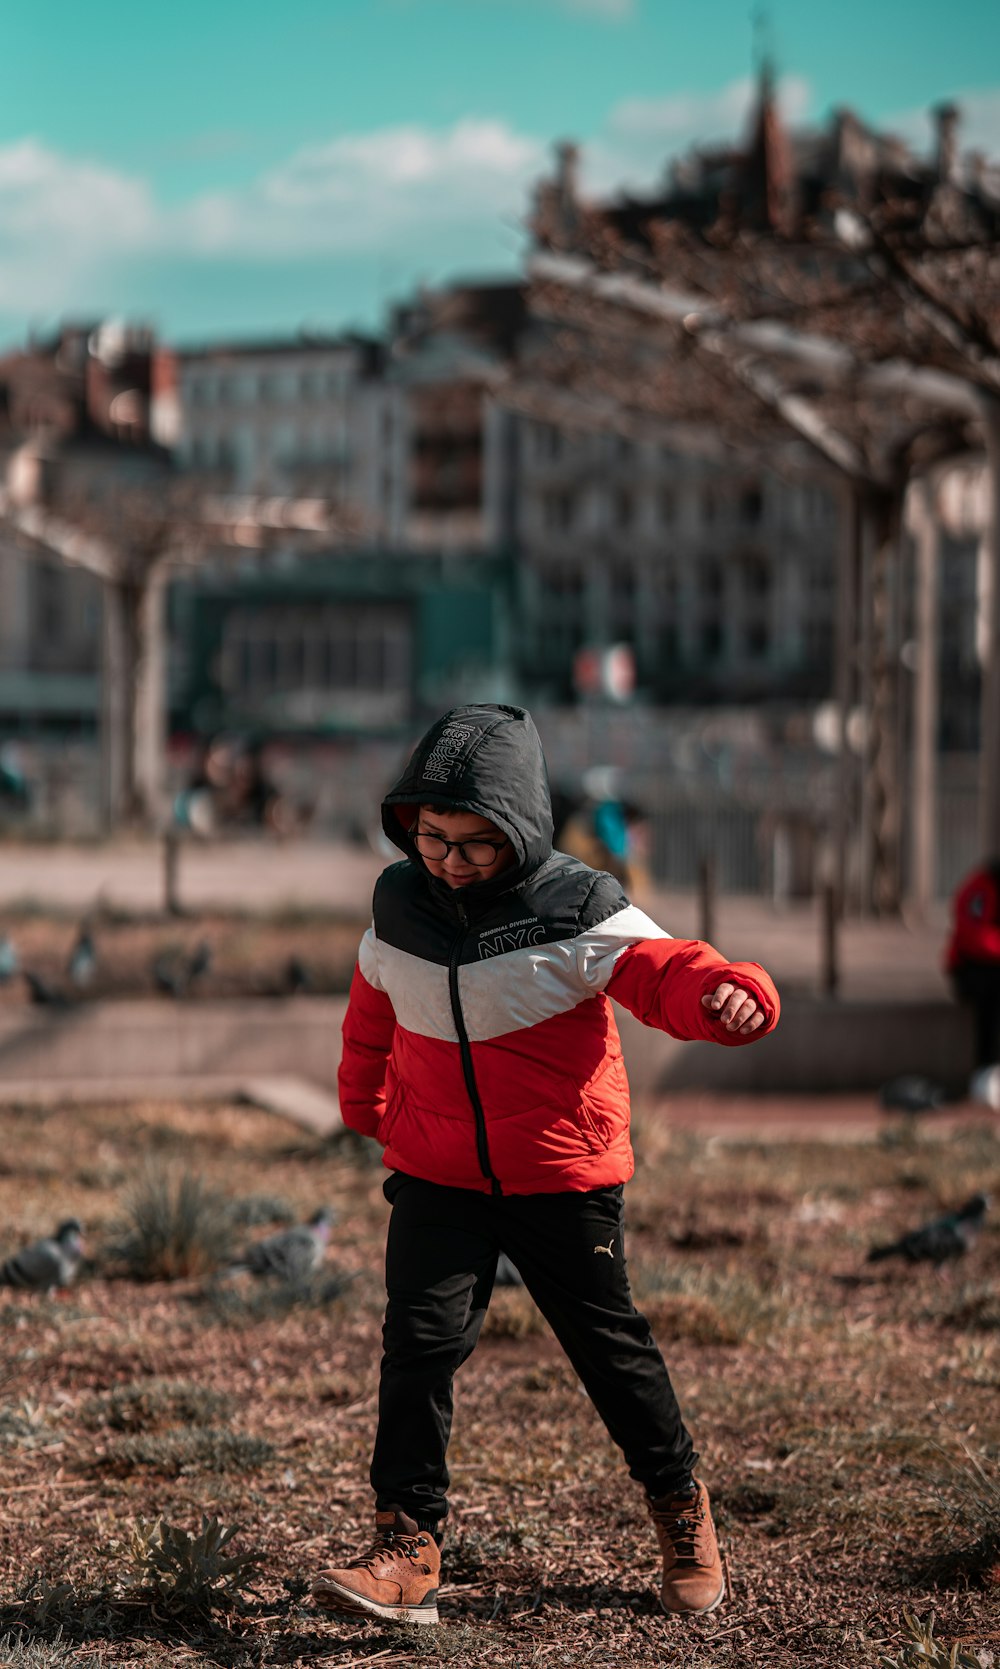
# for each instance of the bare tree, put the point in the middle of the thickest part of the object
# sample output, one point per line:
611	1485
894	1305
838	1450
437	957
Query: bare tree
135	539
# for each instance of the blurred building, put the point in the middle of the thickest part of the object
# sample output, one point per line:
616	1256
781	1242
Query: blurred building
302	417
343	643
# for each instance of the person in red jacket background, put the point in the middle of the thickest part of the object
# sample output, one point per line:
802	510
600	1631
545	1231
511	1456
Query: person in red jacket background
480	1049
973	957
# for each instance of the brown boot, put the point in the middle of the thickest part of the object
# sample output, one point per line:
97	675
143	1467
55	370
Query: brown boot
692	1569
397	1579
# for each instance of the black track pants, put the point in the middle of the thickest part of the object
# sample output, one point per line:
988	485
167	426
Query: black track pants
441	1259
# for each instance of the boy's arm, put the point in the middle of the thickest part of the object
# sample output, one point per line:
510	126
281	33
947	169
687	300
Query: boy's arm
663	981
368	1030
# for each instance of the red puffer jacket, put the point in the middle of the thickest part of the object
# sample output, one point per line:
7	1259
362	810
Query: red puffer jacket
479	1045
975	935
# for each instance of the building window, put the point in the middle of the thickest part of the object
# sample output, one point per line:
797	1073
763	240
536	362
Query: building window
752	506
709	505
756	576
667	507
622	509
557	511
710	579
623	582
758	640
711	640
668	641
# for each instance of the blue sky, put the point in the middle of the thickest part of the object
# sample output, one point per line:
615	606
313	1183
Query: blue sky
221	168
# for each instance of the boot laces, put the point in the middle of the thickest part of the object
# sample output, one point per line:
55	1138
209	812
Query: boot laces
681	1529
388	1544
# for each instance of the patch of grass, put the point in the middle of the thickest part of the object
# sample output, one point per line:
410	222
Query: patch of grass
23	1425
23	1652
270	1300
252	1211
976	1308
459	1642
175	1227
708	1306
208	1449
513	1315
972	1487
151	1404
923	1651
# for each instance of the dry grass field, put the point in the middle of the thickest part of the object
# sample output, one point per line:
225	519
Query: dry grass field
848	1414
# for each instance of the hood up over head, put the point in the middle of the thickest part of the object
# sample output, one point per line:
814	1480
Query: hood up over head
484	759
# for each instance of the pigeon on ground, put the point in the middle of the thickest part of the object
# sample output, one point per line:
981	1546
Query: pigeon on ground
41	992
169	973
200	963
82	964
506	1275
290	1255
174	972
46	1264
940	1240
911	1092
10	962
297	976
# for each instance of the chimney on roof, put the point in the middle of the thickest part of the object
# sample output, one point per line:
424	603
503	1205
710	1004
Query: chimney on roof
568	175
946	119
557	204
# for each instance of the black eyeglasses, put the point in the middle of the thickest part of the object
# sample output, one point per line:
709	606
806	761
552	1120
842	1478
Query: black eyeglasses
478	852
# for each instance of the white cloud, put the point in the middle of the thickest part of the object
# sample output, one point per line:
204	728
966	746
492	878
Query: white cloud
368	191
59	219
640	135
412	194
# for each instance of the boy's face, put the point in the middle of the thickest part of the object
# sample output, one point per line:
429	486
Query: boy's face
477	835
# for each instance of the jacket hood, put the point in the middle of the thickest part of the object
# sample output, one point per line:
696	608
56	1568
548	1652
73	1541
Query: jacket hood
485	759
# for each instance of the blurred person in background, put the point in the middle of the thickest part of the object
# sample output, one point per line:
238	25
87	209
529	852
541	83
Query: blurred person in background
973	957
15	789
603	829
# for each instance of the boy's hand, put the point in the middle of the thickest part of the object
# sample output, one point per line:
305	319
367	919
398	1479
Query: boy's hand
737	1011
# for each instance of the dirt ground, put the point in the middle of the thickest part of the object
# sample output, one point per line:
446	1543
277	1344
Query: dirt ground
847	1414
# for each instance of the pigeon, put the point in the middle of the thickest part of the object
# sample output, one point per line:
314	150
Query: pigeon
174	972
10	962
290	1255
200	961
48	1263
943	1238
911	1092
41	992
82	964
297	976
506	1275
169	973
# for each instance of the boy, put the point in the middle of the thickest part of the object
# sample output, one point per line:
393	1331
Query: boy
481	1050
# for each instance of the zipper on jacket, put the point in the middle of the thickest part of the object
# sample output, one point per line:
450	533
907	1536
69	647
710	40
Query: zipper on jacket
468	1070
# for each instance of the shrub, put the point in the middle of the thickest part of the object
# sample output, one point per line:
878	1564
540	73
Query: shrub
175	1227
922	1651
190	1570
174	1452
153	1403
